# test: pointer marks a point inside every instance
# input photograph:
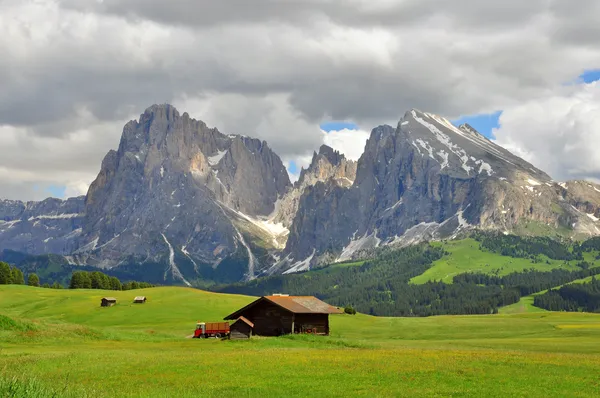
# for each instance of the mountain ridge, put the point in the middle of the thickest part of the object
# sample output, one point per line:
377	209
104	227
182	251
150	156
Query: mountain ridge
188	202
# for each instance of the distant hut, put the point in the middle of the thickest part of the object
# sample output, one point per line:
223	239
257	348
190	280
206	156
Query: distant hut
139	300
282	314
108	301
241	329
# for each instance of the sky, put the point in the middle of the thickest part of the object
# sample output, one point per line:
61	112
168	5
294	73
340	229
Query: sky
297	73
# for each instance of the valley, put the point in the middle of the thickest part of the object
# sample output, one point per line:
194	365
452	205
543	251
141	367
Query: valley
64	342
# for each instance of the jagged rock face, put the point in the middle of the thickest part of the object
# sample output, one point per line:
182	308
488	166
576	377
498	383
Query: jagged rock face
427	179
178	198
326	165
50	226
172	189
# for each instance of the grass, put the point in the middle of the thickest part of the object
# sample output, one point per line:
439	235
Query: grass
466	256
62	343
525	305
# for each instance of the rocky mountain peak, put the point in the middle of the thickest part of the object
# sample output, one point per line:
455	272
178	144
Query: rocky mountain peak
328	164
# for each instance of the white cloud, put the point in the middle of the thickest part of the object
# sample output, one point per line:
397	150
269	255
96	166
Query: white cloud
560	133
349	142
73	71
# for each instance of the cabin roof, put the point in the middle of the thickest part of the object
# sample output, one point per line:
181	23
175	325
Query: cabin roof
293	304
246	321
109	298
140	298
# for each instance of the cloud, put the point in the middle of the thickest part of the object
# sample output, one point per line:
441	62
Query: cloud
32	166
271	69
560	134
349	142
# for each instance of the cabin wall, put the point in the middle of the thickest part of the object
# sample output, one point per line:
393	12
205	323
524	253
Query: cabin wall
311	323
269	319
240	330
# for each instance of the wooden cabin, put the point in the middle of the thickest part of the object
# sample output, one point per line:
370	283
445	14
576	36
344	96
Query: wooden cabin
282	314
241	329
108	301
140	299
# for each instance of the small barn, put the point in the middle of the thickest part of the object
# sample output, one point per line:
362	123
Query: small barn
241	329
283	314
139	300
108	301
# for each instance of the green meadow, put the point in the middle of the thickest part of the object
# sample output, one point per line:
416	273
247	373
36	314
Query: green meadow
62	343
467	256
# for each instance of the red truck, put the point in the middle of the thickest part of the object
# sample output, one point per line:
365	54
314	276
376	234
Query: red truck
205	330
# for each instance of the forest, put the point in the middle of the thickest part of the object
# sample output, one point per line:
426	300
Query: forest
381	285
572	298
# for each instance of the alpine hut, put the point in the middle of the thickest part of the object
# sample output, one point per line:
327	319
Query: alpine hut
108	301
241	329
283	314
139	300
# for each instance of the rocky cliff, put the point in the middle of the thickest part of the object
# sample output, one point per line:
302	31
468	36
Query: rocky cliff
326	165
174	193
427	179
50	226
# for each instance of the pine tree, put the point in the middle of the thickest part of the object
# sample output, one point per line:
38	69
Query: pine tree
5	274
33	280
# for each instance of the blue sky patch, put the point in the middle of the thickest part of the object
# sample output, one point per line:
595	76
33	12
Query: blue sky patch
483	123
56	191
337	126
591	75
292	167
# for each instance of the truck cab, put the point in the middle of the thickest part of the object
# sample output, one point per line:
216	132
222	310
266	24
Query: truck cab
200	330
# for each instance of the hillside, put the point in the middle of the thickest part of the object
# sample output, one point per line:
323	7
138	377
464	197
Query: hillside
63	341
477	275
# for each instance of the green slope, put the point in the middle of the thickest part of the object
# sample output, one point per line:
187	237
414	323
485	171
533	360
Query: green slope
168	309
466	256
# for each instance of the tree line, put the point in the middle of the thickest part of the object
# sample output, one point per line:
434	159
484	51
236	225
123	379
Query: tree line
572	298
79	280
14	276
99	280
528	281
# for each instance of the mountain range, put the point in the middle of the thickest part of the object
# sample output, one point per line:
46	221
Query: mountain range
179	202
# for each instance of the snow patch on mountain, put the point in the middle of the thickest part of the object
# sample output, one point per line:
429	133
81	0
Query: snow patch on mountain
54	217
355	245
301	265
175	272
215	159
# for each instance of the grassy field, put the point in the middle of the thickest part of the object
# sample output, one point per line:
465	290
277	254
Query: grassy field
61	342
465	256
